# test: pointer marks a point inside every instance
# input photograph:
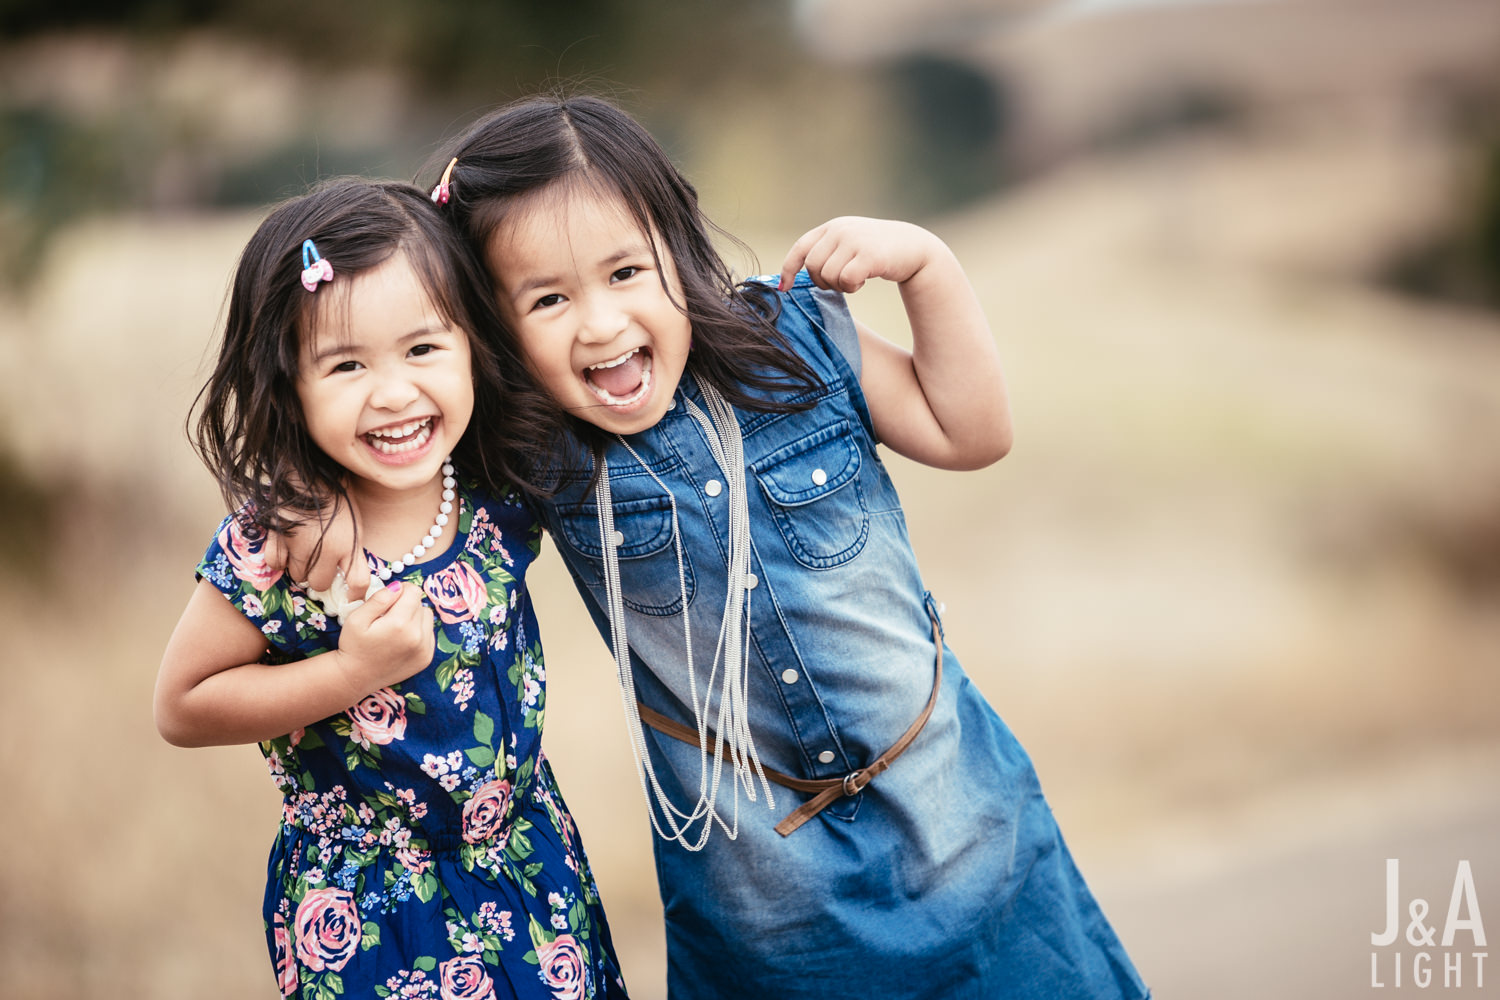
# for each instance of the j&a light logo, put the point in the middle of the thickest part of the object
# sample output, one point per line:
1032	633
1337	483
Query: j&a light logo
1419	958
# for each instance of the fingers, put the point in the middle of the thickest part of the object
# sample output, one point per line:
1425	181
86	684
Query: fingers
377	606
838	268
408	609
408	623
831	258
796	257
398	605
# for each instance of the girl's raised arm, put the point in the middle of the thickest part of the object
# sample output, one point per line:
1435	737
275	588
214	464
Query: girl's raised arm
944	402
212	690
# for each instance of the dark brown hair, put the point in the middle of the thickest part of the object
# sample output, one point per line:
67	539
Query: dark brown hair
247	423
532	146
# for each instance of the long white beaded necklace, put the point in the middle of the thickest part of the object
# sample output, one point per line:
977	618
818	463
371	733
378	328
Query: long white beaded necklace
335	599
732	727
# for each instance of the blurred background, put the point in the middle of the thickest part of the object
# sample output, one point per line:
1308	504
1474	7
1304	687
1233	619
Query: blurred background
1237	588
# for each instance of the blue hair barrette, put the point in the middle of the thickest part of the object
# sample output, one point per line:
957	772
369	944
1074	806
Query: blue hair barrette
314	267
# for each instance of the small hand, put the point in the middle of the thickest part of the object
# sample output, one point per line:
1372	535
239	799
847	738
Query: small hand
388	638
844	253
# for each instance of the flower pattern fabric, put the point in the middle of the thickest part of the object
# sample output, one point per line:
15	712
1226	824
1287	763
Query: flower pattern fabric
425	850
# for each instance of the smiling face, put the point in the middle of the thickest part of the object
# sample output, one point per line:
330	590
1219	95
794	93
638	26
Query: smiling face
577	282
385	383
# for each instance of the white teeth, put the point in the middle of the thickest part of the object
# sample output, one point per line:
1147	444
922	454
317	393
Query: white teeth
420	432
617	361
401	431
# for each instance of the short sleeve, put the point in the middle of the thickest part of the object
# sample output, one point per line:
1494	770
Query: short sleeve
295	626
819	328
838	326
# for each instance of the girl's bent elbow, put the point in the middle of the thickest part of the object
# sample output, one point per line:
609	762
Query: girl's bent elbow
173	724
173	733
995	447
1002	445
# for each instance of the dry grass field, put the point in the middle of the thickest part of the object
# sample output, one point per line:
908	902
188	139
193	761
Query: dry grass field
1237	588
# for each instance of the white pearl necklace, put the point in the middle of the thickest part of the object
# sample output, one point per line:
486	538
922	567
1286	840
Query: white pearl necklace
429	540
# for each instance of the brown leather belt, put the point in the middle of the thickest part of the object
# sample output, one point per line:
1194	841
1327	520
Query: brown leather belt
822	790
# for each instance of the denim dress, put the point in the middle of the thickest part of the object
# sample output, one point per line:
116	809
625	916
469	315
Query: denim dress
947	875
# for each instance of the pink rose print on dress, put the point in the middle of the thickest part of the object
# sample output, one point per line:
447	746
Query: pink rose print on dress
413	860
562	967
465	978
328	929
379	718
457	592
247	554
486	810
286	967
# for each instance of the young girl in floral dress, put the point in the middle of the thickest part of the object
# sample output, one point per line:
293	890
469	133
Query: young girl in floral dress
424	848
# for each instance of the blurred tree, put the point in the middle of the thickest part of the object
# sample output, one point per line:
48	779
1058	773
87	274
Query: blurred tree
950	146
442	45
451	58
1461	260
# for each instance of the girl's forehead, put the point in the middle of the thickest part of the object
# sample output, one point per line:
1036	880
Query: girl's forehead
358	306
570	218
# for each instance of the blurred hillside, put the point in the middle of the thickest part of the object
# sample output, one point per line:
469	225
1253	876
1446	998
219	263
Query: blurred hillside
1237	588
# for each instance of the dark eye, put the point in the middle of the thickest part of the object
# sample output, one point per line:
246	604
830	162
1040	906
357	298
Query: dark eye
624	273
422	349
547	300
346	366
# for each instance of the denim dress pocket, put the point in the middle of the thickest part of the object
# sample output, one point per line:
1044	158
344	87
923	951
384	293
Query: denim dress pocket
648	560
816	496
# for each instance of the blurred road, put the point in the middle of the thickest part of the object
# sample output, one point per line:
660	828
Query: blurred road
1293	919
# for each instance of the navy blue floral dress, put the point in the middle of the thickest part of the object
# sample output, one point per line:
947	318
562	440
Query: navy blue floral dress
424	849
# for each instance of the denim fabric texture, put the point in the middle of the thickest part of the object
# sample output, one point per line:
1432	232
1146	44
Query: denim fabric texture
947	876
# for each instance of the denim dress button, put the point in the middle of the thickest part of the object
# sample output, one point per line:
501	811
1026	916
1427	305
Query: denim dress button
819	477
751	581
713	487
789	676
826	757
618	538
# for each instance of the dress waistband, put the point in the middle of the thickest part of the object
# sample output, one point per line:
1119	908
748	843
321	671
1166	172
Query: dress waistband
488	816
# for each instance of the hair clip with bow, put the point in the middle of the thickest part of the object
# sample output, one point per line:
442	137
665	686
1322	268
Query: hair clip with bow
314	268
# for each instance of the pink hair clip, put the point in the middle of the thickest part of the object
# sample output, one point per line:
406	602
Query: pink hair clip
440	192
314	267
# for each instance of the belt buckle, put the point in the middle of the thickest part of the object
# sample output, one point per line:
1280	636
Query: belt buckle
849	778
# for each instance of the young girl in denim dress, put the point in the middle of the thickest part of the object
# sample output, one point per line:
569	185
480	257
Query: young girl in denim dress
840	811
424	848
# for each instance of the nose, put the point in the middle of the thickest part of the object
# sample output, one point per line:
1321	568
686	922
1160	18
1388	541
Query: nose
602	321
393	391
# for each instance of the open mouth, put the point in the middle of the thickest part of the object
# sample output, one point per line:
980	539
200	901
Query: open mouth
622	381
400	438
